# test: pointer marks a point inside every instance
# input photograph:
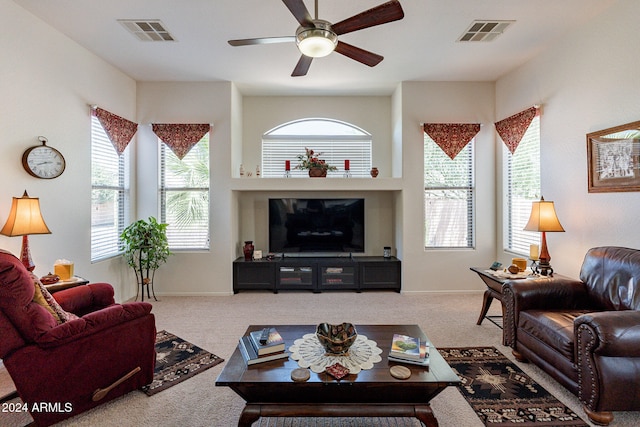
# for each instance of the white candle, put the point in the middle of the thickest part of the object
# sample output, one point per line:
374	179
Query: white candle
534	251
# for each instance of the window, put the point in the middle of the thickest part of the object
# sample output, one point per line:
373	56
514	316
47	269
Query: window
522	171
109	195
448	197
337	141
184	196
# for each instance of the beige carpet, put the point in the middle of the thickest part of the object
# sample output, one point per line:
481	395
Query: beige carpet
6	386
216	323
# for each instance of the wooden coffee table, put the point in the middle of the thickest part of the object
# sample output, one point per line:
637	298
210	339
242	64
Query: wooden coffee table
269	391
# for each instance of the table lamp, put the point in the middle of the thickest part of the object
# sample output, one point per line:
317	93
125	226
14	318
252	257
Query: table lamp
25	218
543	219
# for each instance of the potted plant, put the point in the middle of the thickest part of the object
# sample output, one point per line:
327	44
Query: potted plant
317	167
146	248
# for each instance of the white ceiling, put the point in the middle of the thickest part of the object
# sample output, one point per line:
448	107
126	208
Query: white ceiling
421	47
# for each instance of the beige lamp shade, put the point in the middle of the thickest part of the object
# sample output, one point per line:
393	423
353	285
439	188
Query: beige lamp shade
25	218
543	217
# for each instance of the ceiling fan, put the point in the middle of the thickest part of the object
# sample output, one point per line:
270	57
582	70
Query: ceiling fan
316	38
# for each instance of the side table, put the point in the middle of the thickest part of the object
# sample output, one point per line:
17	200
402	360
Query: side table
66	284
494	290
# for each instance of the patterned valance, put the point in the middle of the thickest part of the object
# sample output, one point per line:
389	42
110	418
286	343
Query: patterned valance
118	129
180	137
451	137
512	129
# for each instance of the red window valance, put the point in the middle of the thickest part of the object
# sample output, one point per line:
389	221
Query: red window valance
180	137
451	137
118	129
512	129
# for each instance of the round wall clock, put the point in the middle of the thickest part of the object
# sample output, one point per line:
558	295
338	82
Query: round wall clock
43	161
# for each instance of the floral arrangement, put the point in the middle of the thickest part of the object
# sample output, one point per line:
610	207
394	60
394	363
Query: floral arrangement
311	159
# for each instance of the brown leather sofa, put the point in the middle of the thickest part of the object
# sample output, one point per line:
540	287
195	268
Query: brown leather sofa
584	333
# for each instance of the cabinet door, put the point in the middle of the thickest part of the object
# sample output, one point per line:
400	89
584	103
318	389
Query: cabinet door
380	275
296	276
253	275
338	276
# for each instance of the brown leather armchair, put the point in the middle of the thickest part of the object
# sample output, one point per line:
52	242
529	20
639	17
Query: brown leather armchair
62	367
584	333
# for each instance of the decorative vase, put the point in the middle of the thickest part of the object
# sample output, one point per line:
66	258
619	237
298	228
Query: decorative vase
248	250
374	172
317	173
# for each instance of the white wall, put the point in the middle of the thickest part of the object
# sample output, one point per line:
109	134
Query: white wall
380	230
246	208
587	82
191	273
445	102
238	125
46	84
371	113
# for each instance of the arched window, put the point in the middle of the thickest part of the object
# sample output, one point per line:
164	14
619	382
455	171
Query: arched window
337	141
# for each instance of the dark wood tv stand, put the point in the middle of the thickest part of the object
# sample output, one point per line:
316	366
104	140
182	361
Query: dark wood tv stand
317	274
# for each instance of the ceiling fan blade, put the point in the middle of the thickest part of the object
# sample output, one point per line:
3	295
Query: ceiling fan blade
364	56
386	12
300	12
302	66
262	40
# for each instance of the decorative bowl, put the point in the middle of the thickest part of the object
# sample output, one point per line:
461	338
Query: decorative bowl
336	339
50	279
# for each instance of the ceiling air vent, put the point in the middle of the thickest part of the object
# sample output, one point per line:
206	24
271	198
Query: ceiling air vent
484	31
147	30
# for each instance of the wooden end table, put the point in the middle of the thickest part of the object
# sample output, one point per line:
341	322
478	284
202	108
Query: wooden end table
494	290
66	284
269	391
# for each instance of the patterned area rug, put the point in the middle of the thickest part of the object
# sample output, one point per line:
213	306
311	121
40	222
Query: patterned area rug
501	394
176	361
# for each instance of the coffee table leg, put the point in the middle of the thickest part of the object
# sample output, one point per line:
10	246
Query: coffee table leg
425	415
249	415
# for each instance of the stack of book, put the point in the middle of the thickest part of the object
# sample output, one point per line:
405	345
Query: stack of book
257	347
405	349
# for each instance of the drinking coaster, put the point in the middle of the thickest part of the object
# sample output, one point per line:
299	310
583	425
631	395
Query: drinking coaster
300	375
337	371
400	372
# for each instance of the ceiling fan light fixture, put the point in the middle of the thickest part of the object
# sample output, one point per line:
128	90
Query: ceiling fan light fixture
316	42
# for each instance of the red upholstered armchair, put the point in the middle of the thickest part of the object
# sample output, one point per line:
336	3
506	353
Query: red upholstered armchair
62	364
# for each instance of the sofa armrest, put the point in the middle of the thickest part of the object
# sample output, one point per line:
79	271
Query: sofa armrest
85	299
607	346
92	323
608	333
72	372
551	293
547	293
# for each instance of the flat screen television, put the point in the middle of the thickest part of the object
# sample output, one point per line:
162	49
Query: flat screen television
307	226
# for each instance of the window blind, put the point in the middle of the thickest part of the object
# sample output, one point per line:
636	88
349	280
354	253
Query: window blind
184	196
334	152
449	193
109	196
337	141
523	187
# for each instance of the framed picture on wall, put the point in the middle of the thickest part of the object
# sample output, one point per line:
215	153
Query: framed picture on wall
614	159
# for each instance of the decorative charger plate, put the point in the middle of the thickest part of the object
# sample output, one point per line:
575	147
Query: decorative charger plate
309	353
